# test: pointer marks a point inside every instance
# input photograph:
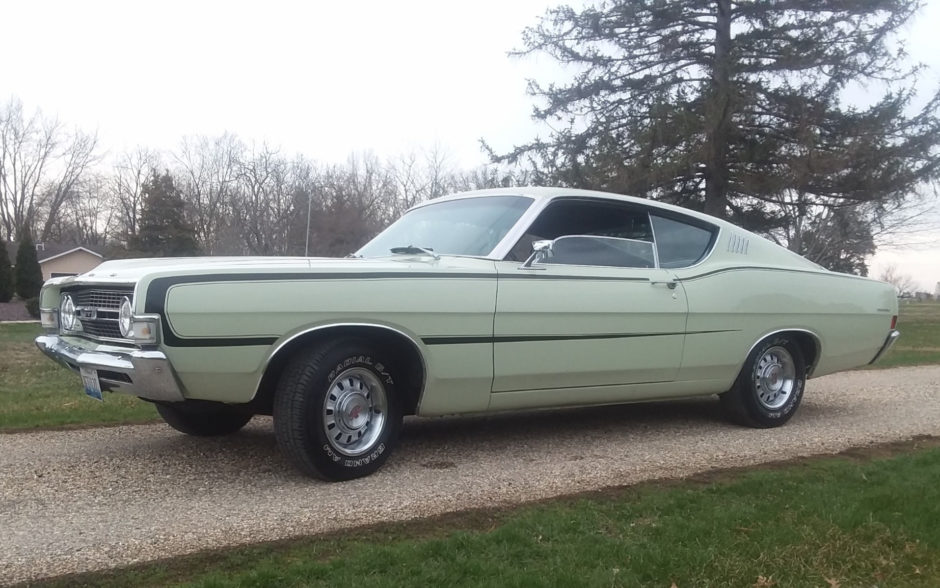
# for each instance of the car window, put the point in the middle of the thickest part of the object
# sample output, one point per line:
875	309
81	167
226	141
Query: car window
601	251
631	243
469	226
680	244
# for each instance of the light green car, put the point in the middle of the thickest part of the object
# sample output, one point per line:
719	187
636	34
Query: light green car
492	300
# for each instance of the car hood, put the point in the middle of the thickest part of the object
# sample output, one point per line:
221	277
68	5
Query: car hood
129	271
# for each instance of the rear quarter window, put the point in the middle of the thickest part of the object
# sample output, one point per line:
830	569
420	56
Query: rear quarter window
680	244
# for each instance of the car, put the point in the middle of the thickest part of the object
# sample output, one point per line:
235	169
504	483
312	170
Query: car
494	300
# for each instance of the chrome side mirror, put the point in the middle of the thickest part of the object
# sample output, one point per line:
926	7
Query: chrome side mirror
540	250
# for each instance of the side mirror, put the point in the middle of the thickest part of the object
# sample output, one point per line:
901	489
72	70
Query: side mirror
540	250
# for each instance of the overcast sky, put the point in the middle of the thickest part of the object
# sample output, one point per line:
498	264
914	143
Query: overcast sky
320	78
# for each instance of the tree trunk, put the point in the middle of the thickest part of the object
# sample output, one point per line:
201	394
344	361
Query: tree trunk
718	117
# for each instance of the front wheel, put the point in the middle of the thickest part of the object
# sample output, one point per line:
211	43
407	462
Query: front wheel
336	411
770	386
204	419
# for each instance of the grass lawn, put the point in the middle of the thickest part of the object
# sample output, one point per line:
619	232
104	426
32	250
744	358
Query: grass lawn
919	344
829	522
37	392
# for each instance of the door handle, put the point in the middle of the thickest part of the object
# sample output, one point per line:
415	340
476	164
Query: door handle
671	284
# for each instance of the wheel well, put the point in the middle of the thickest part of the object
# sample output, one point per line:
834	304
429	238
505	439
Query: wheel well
809	346
396	346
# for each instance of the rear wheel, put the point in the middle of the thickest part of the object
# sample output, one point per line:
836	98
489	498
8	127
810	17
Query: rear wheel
204	419
770	386
336	411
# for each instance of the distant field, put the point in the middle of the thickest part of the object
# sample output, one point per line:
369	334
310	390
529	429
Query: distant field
36	392
919	323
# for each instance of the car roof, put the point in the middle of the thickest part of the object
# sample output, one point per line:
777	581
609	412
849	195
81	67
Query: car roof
539	193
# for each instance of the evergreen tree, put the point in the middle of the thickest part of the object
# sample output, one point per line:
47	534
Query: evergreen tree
6	274
28	272
736	108
163	229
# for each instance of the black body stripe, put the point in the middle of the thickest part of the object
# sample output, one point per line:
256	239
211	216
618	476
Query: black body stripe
533	338
156	298
173	340
753	268
157	291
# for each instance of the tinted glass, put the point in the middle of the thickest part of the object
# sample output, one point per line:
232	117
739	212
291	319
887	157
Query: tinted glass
680	244
601	251
584	217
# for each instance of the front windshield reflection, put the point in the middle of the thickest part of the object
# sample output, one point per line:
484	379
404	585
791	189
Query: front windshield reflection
468	226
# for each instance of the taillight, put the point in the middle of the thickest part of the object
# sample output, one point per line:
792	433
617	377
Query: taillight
894	322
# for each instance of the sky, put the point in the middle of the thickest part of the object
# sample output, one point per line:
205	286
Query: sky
321	78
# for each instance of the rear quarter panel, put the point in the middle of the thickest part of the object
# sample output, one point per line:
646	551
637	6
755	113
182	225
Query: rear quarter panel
753	292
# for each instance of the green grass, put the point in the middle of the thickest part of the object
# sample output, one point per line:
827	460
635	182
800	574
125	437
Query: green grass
37	392
919	344
832	522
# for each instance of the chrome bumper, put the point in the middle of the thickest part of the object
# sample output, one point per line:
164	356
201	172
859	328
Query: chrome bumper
889	342
142	373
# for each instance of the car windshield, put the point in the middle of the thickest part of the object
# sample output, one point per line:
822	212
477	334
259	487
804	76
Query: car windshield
468	226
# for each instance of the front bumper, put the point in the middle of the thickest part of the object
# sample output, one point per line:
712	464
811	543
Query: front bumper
889	342
143	373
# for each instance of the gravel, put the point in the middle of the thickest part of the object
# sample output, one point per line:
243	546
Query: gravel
81	500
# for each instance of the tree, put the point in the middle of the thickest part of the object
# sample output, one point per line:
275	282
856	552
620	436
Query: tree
739	109
131	172
28	272
902	283
209	168
264	204
163	229
6	274
41	164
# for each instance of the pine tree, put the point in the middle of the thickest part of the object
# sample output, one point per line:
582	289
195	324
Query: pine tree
6	274
163	229
735	108
28	272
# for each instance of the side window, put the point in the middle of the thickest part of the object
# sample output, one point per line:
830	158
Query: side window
680	244
624	235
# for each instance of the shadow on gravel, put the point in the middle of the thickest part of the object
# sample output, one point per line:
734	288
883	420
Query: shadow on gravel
553	423
252	454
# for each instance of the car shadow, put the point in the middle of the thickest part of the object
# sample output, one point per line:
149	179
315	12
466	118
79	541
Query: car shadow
552	423
251	456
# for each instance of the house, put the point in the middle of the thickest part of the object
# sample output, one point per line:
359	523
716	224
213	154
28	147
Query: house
57	259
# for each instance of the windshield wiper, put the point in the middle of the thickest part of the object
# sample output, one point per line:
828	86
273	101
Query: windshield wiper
411	249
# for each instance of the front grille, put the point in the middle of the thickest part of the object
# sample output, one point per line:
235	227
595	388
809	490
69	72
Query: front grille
105	305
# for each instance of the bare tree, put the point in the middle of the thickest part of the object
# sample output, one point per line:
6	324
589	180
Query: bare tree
263	205
352	203
89	216
41	164
903	283
209	172
129	175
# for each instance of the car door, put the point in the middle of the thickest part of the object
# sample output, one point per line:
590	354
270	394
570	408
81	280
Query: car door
581	320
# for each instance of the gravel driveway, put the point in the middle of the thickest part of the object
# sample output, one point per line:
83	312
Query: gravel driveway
82	500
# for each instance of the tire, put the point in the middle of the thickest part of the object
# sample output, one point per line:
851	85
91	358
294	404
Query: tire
204	419
770	386
336	412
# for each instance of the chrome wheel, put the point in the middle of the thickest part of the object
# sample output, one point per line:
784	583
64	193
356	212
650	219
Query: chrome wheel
774	377
354	411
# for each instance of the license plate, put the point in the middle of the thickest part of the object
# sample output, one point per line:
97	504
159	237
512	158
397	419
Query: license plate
90	380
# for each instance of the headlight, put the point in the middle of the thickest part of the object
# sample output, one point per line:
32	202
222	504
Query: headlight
125	318
67	313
